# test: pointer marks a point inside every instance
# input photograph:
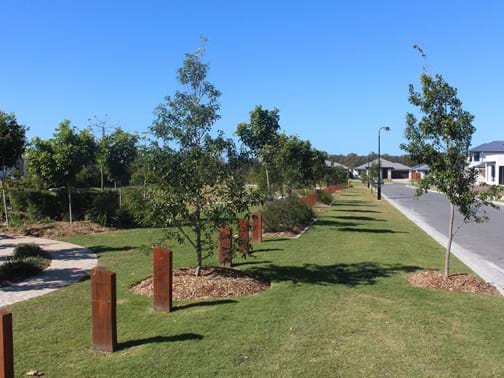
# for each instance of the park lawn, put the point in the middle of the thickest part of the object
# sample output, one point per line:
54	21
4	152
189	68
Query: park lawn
339	305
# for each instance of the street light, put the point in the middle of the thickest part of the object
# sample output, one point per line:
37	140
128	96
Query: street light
386	128
368	170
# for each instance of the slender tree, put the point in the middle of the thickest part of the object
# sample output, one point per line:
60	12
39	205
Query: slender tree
441	139
12	146
193	183
260	136
122	152
57	161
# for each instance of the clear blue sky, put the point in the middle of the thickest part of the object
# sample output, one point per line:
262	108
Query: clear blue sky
337	70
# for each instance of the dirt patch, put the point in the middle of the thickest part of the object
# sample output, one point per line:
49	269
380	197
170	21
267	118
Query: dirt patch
463	282
213	283
56	230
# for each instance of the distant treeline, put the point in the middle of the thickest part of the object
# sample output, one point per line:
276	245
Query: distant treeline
353	160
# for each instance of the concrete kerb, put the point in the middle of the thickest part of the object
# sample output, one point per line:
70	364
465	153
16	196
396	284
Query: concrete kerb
487	270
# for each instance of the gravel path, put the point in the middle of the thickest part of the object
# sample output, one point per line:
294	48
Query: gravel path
70	263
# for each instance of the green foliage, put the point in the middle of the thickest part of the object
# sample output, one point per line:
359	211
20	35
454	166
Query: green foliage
28	250
335	176
192	177
121	154
324	197
28	260
12	140
287	214
441	139
104	208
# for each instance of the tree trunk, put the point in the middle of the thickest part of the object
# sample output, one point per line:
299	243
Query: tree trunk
199	249
120	196
268	181
4	196
69	204
102	184
450	241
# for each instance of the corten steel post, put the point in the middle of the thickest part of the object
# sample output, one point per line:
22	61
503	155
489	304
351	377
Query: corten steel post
386	128
103	301
163	279
6	345
257	227
243	236
226	246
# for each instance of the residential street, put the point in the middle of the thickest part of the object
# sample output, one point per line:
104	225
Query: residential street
481	246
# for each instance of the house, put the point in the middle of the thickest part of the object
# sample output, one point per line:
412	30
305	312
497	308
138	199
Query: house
390	170
488	159
419	171
334	164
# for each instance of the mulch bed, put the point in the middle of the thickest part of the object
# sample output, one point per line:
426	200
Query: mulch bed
212	283
463	282
56	230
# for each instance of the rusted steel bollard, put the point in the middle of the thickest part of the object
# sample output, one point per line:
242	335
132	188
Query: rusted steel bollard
103	299
163	279
257	228
226	246
243	236
6	345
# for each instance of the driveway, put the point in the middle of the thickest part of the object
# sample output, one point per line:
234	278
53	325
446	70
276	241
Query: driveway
480	246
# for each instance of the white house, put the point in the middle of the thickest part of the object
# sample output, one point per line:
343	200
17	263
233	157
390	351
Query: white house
390	170
488	158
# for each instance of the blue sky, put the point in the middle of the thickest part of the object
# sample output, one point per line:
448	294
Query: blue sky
337	70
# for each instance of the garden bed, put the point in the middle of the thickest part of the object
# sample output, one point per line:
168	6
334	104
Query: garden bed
462	282
212	283
57	230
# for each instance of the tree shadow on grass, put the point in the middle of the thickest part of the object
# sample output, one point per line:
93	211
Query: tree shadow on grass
107	248
159	339
204	304
274	240
372	230
252	262
335	223
357	211
267	250
358	218
351	275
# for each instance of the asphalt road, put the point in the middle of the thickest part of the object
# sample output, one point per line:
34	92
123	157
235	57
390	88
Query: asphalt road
485	240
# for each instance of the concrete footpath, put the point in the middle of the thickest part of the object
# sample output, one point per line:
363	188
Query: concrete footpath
70	263
479	246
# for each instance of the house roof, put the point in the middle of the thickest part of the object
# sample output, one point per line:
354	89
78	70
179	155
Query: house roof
420	167
384	164
334	164
495	146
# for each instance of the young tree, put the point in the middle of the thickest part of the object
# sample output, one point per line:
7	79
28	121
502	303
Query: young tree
57	161
12	146
441	139
122	151
193	181
260	136
102	146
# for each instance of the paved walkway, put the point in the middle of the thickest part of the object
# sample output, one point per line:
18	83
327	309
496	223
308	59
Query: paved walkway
69	264
479	246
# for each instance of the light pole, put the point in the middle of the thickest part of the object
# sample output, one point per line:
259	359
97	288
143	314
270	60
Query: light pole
386	128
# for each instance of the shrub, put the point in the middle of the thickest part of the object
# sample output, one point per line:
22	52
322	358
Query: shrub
103	208
324	197
23	251
28	260
287	214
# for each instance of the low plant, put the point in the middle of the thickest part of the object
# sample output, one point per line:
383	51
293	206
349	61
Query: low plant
287	214
28	260
324	197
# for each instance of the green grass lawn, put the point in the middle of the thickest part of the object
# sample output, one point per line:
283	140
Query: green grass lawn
339	305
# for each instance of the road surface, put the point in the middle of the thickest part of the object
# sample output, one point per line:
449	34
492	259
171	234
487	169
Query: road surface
480	246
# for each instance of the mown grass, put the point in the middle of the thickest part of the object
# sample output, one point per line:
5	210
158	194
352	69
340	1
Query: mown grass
340	305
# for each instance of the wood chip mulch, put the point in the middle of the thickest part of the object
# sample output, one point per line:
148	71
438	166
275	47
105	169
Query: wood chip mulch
463	282
57	230
212	283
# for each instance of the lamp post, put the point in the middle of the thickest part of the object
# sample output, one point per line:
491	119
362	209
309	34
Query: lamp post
386	128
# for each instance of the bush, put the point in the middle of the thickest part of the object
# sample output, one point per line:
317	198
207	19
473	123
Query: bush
23	251
324	197
287	214
104	207
28	260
